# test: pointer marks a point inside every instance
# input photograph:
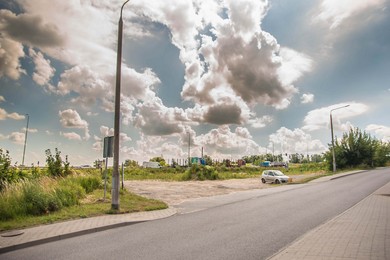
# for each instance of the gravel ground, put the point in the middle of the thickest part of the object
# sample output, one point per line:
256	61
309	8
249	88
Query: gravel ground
174	193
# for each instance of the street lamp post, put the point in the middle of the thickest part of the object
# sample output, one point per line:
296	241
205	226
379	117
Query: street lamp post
115	173
331	129
25	139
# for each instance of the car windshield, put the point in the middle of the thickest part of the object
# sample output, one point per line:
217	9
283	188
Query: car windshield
278	173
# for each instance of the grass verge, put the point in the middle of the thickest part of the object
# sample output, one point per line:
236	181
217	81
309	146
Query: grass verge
92	205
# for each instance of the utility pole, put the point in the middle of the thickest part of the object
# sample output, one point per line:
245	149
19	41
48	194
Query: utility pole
115	172
331	129
25	139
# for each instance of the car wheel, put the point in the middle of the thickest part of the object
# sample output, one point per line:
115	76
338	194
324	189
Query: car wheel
262	180
277	181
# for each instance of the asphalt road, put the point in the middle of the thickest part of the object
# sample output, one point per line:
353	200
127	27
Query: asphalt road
242	227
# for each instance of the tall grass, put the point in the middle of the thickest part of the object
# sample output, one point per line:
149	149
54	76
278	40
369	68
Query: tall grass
44	195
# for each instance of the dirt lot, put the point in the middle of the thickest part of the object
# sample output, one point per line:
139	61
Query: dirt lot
174	193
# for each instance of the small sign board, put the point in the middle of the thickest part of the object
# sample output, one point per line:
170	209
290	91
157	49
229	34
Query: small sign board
108	147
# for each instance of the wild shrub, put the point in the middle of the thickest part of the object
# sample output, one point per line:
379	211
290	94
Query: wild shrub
200	172
69	195
90	183
44	195
55	165
8	173
37	200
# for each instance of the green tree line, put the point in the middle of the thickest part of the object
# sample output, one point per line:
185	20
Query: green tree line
358	149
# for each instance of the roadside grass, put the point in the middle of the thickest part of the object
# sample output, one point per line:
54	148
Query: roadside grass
92	205
217	172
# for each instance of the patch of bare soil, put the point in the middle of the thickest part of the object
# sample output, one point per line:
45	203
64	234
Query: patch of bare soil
174	193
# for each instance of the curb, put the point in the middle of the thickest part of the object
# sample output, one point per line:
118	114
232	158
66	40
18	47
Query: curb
86	231
342	175
65	236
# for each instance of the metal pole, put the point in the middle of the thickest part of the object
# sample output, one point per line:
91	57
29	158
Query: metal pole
333	153
189	149
115	173
25	139
105	179
123	176
331	130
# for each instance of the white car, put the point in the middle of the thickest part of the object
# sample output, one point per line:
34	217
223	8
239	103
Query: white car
274	176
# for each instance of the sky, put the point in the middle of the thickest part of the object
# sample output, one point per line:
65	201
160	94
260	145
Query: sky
230	77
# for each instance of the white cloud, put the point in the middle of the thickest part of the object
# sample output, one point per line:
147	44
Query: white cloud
10	53
221	140
153	118
15	116
72	136
293	66
71	119
260	122
43	70
2	99
30	130
380	131
245	16
335	12
320	118
83	81
106	131
92	114
307	98
124	138
294	141
179	16
244	61
16	137
30	29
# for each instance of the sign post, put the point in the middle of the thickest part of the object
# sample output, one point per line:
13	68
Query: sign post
108	146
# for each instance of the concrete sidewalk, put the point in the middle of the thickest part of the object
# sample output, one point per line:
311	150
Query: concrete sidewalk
362	232
46	233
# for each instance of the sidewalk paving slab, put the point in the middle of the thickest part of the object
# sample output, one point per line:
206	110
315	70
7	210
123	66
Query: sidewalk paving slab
361	232
18	239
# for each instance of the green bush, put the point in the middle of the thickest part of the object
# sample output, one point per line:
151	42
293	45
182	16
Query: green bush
90	183
69	195
37	200
200	172
55	165
9	174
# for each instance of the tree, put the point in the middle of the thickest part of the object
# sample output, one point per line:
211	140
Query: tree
358	148
317	158
131	163
6	175
382	154
55	165
159	160
208	160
